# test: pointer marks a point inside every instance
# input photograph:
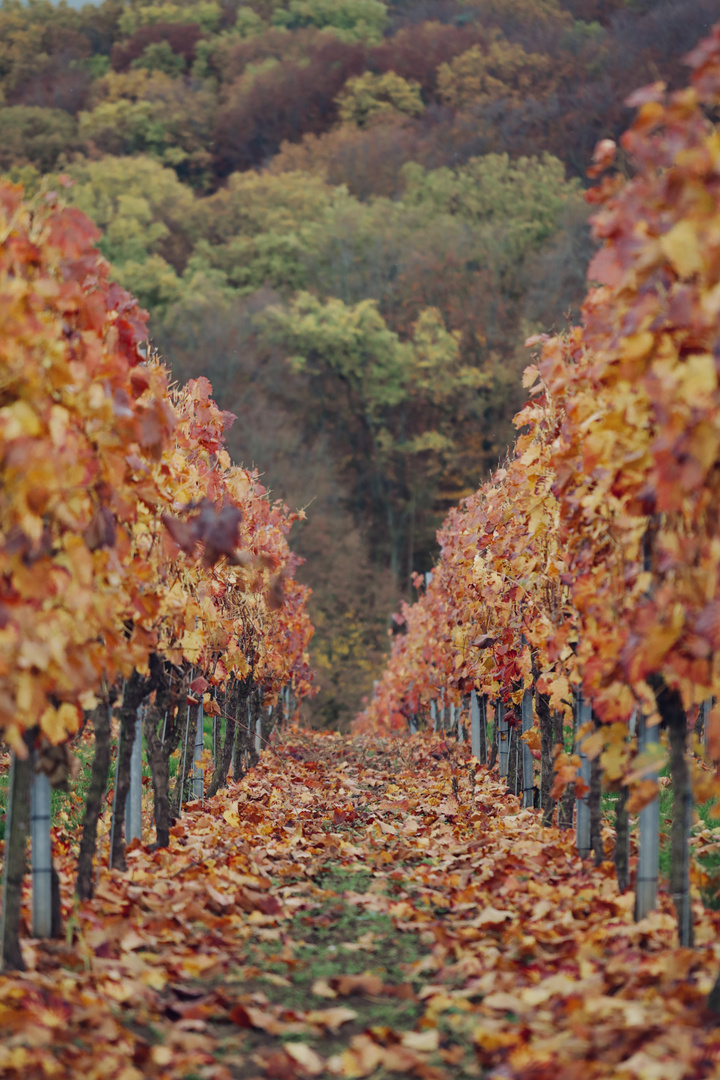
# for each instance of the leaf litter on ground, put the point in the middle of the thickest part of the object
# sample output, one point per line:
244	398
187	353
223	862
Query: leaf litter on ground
356	907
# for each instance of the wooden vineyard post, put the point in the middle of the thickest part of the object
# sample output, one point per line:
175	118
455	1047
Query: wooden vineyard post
133	805
198	775
527	758
503	740
646	879
584	715
41	855
456	720
16	830
412	719
475	725
703	725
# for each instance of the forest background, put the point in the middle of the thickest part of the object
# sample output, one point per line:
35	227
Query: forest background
348	215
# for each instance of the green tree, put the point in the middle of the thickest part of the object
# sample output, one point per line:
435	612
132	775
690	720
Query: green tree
263	230
516	205
385	404
501	70
148	219
149	112
159	56
368	94
33	136
206	13
352	20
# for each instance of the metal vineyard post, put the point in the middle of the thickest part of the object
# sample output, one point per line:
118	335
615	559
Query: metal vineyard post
41	855
527	758
646	880
198	774
133	805
582	824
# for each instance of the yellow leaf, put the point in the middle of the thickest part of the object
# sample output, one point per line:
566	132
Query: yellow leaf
614	757
593	744
535	520
681	247
57	724
305	1056
331	1018
530	374
19	420
422	1040
161	1055
698	377
192	644
636	346
155	978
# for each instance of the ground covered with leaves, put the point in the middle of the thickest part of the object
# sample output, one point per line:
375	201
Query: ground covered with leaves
362	907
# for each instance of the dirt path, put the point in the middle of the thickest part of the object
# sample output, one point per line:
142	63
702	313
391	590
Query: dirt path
361	907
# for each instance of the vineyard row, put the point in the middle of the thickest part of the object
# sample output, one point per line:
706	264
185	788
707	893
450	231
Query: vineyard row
579	588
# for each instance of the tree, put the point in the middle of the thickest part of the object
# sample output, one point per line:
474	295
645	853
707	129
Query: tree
179	38
392	400
160	57
136	17
283	102
141	206
149	112
261	230
416	52
351	20
366	95
35	136
367	161
498	70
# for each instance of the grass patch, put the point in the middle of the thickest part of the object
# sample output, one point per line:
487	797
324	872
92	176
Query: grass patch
68	807
709	862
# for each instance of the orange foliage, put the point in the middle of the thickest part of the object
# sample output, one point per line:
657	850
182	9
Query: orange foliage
95	453
596	543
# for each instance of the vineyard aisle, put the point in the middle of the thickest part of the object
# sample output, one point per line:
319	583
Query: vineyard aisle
361	907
